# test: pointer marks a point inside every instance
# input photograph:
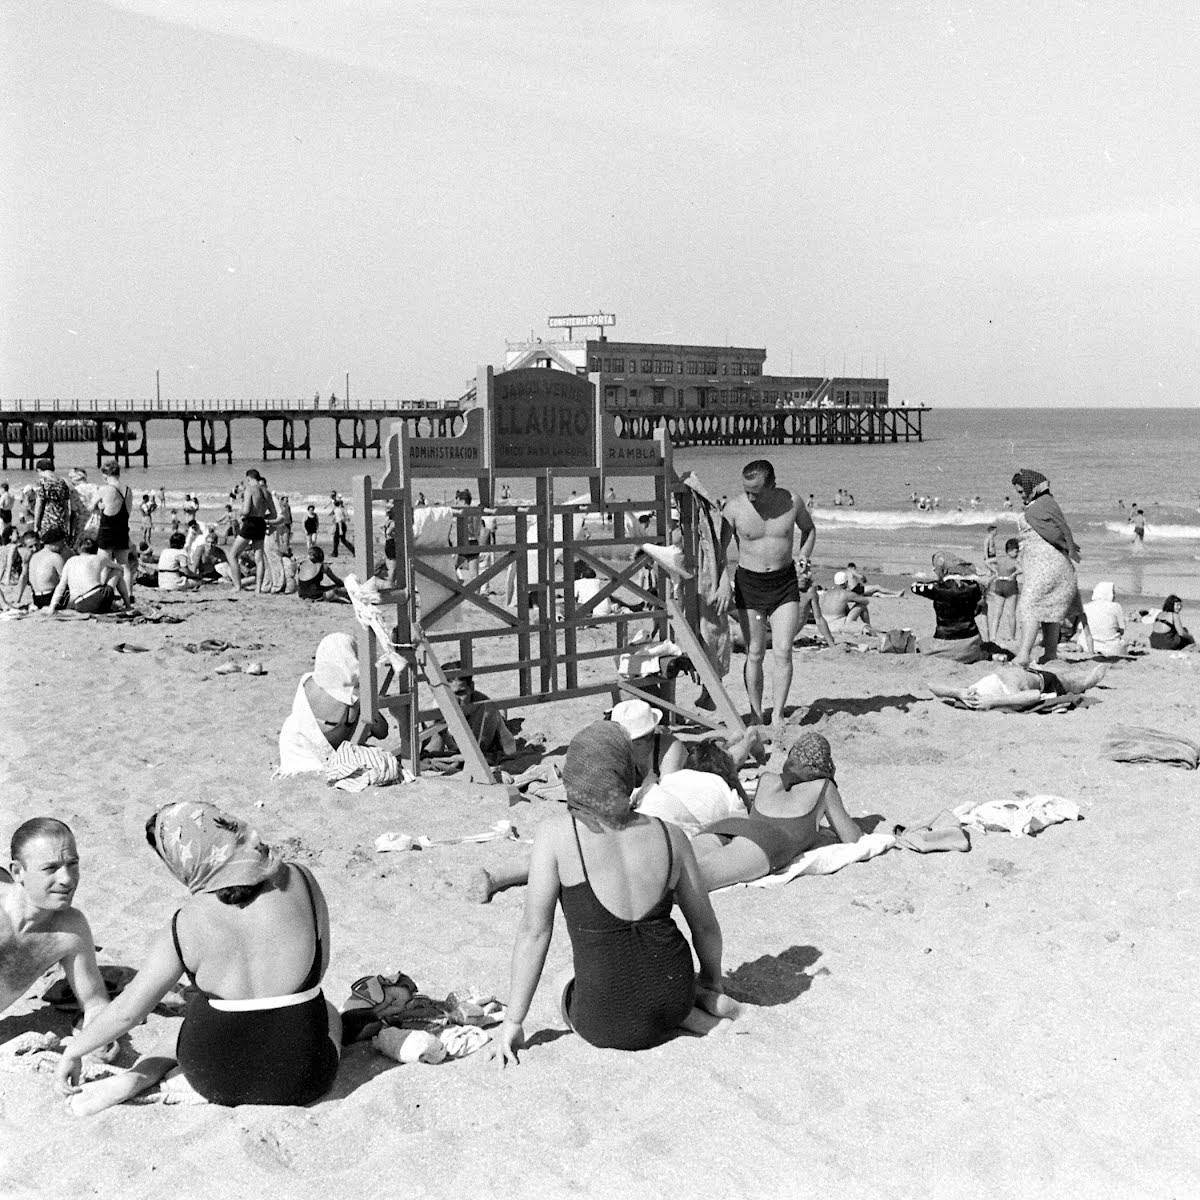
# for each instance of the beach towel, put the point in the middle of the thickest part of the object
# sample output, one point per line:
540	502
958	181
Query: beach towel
824	860
1018	818
1048	704
303	746
1138	744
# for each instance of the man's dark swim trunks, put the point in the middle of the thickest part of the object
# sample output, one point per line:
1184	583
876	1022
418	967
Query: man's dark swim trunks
765	591
253	529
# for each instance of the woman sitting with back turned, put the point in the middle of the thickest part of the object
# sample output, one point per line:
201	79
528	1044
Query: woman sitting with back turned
617	875
254	939
783	822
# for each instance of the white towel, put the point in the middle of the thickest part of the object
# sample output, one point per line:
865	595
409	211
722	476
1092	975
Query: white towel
303	745
1018	818
825	860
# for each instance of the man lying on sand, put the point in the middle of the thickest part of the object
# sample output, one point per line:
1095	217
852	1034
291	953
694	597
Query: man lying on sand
39	925
1025	687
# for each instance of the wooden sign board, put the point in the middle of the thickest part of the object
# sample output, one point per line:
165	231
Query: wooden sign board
541	418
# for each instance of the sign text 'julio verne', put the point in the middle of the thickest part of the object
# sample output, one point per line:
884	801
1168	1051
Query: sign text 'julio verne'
542	418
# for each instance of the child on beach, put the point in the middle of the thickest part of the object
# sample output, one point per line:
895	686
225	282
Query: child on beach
311	524
1003	590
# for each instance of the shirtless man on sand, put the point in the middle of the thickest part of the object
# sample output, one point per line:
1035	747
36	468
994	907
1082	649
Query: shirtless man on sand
764	588
39	925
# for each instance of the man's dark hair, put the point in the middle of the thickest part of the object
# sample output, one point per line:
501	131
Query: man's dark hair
44	464
710	758
316	554
88	545
177	541
34	828
52	534
253	474
760	466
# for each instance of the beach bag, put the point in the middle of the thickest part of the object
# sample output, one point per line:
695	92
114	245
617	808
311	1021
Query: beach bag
898	641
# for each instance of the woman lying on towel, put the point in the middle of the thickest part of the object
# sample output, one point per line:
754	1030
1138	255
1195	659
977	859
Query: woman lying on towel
1025	687
782	823
617	875
325	708
254	939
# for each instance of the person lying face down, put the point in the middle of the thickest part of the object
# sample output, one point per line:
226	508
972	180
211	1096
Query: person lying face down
617	875
325	709
1017	687
254	938
39	923
783	821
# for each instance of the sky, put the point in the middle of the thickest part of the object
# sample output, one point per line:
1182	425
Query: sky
994	205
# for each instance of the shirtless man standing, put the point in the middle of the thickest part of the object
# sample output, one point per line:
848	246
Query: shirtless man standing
764	587
39	925
258	510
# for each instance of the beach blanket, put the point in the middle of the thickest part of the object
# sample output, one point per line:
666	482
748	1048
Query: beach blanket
1138	744
1048	704
823	860
1018	818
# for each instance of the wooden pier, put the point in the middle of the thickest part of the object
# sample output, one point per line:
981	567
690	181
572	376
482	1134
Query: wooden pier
28	427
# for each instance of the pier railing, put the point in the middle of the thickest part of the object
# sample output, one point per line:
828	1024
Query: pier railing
222	407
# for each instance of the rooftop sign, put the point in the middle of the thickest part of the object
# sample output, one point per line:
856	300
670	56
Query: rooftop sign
570	321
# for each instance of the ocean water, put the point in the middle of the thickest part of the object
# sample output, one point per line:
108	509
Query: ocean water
1099	461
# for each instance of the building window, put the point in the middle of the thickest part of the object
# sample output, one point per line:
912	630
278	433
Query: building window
607	365
610	395
633	393
724	396
647	365
618	365
593	363
693	368
668	367
679	367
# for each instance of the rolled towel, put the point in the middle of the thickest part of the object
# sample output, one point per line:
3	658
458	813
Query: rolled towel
409	1045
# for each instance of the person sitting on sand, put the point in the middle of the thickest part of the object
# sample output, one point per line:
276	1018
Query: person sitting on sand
487	723
810	601
92	583
783	821
45	567
617	875
27	545
1016	687
1169	631
655	751
311	577
845	610
1106	620
39	924
175	573
325	709
253	938
207	561
956	599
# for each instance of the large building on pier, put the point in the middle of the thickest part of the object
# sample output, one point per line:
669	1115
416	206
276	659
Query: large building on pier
675	377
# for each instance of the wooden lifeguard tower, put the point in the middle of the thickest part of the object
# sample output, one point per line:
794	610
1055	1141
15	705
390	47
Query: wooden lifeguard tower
547	426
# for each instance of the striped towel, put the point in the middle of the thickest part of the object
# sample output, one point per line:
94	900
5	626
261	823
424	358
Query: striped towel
353	768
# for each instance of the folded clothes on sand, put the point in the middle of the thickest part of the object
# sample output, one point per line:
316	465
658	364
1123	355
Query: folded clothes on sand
942	832
352	768
1137	744
1020	818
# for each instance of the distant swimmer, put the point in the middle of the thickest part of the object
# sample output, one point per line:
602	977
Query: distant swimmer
1139	528
765	588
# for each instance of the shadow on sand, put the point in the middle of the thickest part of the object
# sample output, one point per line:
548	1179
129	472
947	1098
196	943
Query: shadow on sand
774	978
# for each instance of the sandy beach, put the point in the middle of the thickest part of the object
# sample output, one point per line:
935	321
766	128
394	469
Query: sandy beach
1014	1021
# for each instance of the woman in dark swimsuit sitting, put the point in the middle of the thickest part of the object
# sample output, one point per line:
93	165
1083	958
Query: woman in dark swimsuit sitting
617	875
783	821
254	938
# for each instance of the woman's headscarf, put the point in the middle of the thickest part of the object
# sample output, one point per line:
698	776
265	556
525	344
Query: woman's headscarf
336	668
599	774
207	849
1029	480
809	758
1104	590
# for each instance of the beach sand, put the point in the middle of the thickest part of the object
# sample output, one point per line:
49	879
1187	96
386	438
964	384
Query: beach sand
1015	1021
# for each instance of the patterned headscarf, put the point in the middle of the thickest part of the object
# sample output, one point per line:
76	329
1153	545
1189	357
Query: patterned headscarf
809	758
599	775
1029	480
207	849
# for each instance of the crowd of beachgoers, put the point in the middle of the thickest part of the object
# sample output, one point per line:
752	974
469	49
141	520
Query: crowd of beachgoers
651	819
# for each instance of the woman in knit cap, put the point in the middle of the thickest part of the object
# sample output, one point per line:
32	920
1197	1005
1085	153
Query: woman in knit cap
782	823
617	875
254	939
1049	588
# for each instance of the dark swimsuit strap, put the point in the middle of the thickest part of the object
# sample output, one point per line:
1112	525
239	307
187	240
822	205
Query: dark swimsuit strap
670	858
314	971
